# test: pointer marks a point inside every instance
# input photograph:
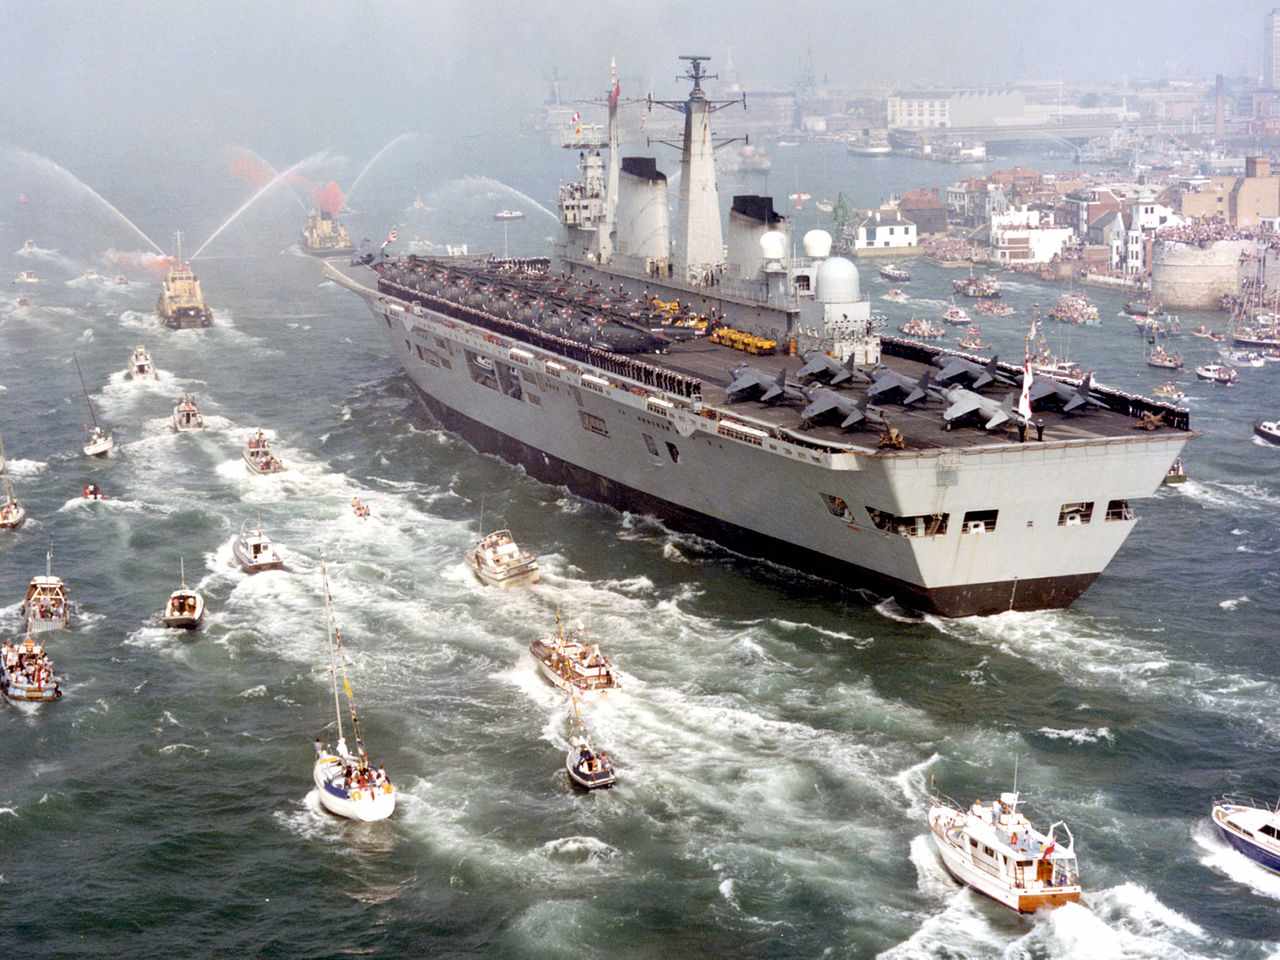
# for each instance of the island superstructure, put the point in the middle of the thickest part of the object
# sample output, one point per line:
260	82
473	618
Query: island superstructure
181	304
564	371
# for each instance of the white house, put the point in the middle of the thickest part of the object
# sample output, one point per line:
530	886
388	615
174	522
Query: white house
885	229
1027	236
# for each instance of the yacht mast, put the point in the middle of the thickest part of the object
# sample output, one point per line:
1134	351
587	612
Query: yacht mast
333	648
87	401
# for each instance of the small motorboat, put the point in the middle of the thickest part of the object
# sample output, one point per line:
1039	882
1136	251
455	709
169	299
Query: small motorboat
573	664
588	768
360	508
99	442
140	365
1268	430
347	783
923	329
1218	373
897	274
994	849
92	491
1204	333
1142	308
1164	360
956	316
498	561
971	341
26	672
897	296
509	215
186	415
254	550
1169	391
258	456
26	276
1176	474
1251	828
185	608
45	604
1247	358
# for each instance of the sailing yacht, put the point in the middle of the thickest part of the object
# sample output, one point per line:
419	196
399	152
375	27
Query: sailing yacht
12	513
347	782
185	608
100	441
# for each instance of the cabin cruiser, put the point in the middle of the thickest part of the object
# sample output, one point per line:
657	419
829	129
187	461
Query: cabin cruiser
1251	828
588	768
509	215
956	316
1248	358
1268	430
1218	373
1169	391
994	849
92	491
897	296
26	276
572	664
185	608
499	562
140	365
258	456
254	550
895	273
45	604
26	672
1164	360
186	415
347	782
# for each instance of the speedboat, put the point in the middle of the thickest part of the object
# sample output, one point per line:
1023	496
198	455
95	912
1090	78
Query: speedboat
509	215
994	849
1268	430
185	608
499	562
140	365
45	604
573	664
26	672
1251	828
92	491
254	550
347	782
896	296
897	274
1218	373
26	276
588	768
186	415
258	456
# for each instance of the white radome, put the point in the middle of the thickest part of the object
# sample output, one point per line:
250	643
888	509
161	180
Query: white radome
838	281
817	244
774	245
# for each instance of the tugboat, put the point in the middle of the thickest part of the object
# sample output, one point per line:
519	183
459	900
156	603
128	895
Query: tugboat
498	561
347	783
1164	360
181	305
254	550
140	365
1218	373
258	456
994	849
99	442
895	273
12	513
976	287
323	236
509	215
26	673
45	605
1268	430
187	416
1250	827
572	664
185	608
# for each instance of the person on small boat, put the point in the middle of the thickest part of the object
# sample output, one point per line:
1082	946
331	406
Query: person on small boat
93	492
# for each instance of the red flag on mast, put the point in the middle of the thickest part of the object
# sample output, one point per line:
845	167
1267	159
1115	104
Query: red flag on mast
614	94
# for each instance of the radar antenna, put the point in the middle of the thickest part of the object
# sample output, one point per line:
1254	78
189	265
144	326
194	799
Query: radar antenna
696	74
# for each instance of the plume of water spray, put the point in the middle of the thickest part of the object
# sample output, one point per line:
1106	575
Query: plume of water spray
271	171
57	168
492	184
389	145
262	191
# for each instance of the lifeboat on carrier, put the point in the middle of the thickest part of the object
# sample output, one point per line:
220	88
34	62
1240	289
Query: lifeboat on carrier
254	550
45	604
573	664
186	415
498	561
26	673
994	849
258	456
140	365
185	608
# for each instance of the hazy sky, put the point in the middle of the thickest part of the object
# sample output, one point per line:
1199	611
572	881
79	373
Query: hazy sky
126	75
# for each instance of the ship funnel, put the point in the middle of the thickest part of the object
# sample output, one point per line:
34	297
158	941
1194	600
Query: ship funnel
643	217
751	218
773	245
817	244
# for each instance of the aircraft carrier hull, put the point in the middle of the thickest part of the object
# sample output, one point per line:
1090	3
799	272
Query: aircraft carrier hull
795	505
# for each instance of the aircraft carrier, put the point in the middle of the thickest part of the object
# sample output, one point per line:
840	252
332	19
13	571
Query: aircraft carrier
765	411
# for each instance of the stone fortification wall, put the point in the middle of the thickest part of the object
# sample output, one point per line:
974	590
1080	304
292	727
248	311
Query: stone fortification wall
1190	276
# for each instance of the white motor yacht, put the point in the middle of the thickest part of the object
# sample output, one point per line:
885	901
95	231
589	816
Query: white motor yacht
499	562
1268	430
254	550
994	849
258	456
140	365
573	664
186	415
1218	373
1250	827
45	605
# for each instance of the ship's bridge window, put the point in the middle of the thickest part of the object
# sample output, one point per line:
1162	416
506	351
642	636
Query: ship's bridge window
1119	510
802	281
921	525
980	521
1075	514
593	424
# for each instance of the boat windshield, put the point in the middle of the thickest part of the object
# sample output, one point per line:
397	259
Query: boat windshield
1066	872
